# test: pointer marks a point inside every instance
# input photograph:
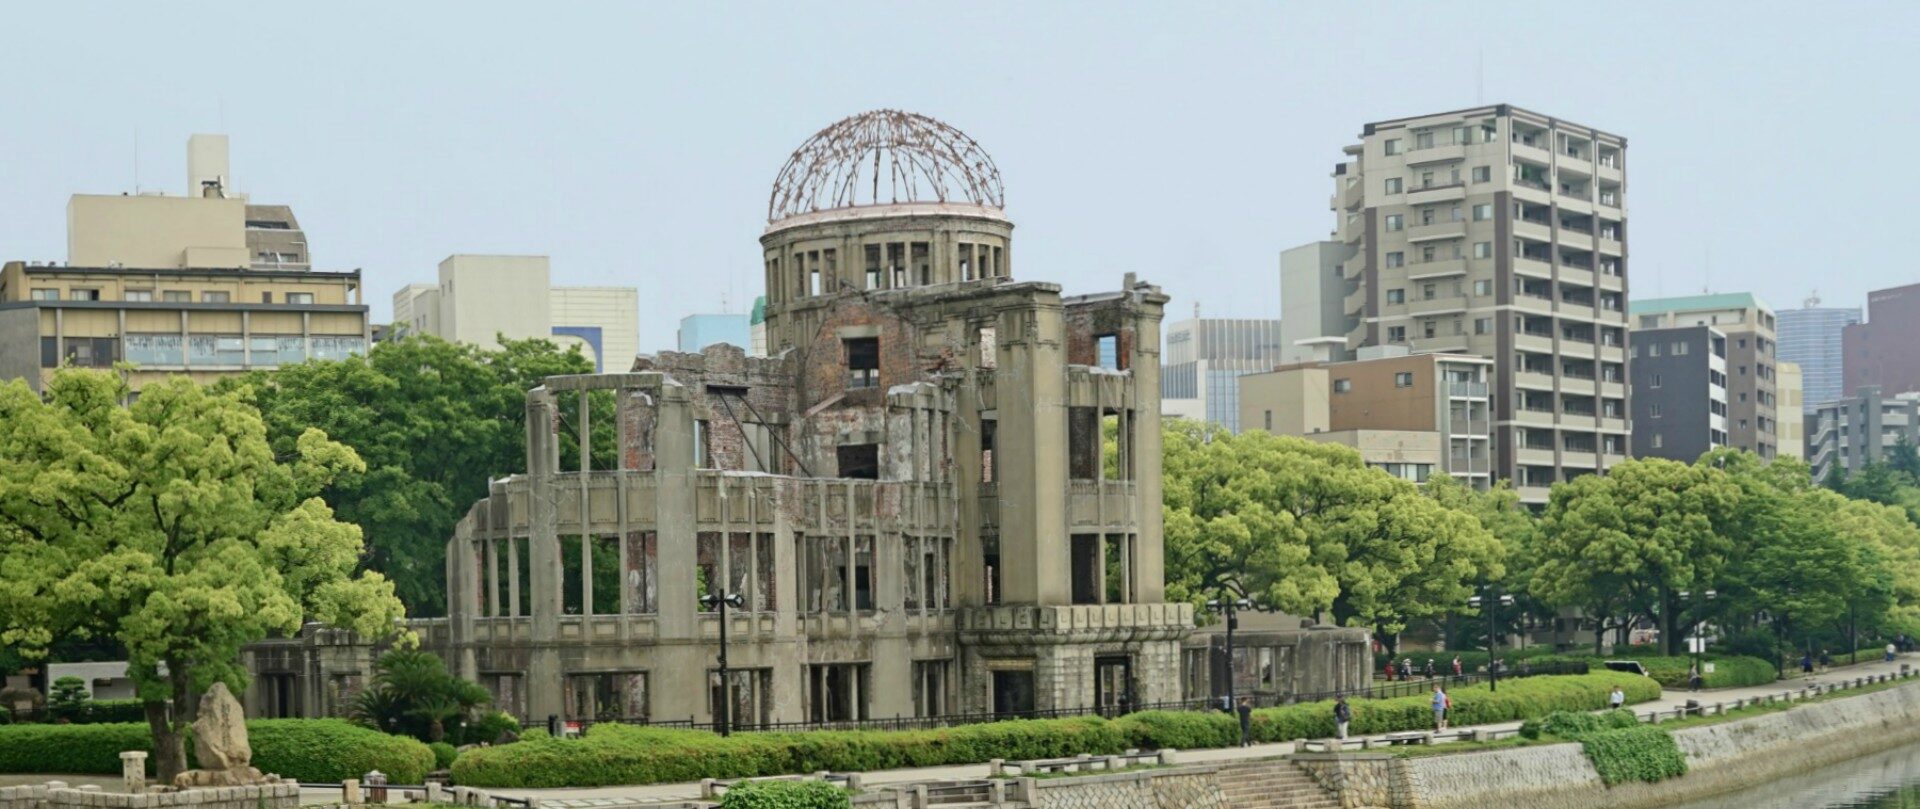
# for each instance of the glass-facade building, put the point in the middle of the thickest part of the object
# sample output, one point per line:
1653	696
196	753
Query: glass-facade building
1205	359
1811	337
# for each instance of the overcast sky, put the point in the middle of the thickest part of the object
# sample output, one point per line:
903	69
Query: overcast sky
1771	145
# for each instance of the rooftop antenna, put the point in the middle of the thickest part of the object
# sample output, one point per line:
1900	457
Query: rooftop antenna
1706	271
1813	300
1196	310
1480	78
136	161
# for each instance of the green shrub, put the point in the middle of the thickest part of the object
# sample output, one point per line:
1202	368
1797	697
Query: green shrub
489	728
784	795
1640	753
443	754
299	749
68	698
1576	724
612	754
102	711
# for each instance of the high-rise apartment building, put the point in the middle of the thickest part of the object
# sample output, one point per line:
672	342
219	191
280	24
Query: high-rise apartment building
1812	337
1856	430
481	298
1793	422
1205	358
1498	232
1752	377
1313	320
1679	391
1880	351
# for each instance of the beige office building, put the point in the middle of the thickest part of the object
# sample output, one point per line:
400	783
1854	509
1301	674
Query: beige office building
204	285
1498	232
480	298
1412	415
1752	375
1793	429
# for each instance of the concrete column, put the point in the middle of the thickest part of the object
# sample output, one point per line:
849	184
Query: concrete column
513	576
1148	564
133	771
586	535
680	622
1031	452
544	676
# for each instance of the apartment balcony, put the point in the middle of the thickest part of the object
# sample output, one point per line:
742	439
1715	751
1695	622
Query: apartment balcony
1577	349
1606	172
1534	267
1442	268
1576	202
1578	386
1612	390
1350	197
1533	303
1529	456
1581	458
1536	153
1437	154
1436	232
1610	246
1443	344
1612	354
1578	420
1469	428
1467	390
1528	229
1576	276
1532	191
1579	309
1466	465
1451	192
1444	305
1613	425
1533	380
1356	300
1534	418
1566	162
1533	494
1527	341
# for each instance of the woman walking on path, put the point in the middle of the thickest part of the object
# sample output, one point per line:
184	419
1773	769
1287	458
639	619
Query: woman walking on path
1441	704
1246	721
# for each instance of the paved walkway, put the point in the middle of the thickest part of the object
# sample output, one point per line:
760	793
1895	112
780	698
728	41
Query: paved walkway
1668	701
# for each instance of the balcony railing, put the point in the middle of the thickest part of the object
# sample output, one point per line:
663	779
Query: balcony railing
1466	388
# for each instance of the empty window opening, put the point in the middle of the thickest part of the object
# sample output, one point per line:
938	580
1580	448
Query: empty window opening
874	267
1119	566
987	429
930	679
1107	351
607	697
994	268
922	263
989	347
966	262
1116	446
1089	580
925	573
1013	693
749	696
813	273
859	461
641	593
990	553
601	560
1083	443
837	692
896	259
863	362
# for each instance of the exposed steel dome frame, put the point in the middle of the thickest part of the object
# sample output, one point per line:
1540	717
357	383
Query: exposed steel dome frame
919	158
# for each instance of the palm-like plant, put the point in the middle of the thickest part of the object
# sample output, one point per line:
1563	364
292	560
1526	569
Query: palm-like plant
413	693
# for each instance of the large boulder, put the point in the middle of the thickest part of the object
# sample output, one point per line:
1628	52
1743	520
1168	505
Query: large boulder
220	743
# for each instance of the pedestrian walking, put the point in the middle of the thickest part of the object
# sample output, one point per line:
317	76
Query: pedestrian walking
1826	661
1246	721
1693	677
1429	669
1456	665
1617	699
1889	653
1342	714
1806	664
1389	669
1406	668
1441	703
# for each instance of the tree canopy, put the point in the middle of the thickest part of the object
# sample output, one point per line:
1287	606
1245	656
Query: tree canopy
172	527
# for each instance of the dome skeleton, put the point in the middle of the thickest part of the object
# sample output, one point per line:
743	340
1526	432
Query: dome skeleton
921	158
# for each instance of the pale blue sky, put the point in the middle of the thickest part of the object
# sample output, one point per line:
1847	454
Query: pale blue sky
635	143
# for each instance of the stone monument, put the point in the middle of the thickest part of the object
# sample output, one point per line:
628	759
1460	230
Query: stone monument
220	744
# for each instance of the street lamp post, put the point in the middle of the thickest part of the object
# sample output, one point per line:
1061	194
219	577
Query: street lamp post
1492	601
1231	608
720	600
1697	644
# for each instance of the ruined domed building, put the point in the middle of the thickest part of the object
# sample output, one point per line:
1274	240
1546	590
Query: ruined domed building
939	495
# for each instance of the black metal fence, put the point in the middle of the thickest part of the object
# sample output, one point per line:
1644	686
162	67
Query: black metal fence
1383	690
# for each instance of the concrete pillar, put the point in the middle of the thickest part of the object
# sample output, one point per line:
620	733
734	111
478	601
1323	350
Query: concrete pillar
133	771
544	676
679	619
1031	452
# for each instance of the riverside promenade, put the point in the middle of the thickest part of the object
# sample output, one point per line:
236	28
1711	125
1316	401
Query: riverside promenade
1668	701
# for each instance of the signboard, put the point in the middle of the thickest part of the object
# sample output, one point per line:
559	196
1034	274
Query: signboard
1706	668
1697	645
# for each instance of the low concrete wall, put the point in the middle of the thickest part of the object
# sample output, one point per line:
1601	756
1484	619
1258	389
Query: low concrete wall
1183	788
24	797
57	795
1720	758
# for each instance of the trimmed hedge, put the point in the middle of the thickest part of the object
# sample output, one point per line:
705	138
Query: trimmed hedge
299	749
785	795
613	754
1643	753
443	754
1573	725
1730	671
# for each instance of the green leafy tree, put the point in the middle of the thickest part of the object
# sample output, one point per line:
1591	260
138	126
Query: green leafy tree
1903	458
1513	525
1645	531
412	693
67	698
171	527
432	420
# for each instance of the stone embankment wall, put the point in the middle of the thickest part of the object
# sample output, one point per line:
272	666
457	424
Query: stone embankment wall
1185	788
57	795
1720	758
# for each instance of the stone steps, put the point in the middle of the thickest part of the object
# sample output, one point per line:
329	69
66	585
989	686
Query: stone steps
1273	785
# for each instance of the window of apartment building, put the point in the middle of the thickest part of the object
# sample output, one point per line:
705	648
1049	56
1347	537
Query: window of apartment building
1482	174
1393	185
1459	326
1342	385
1423	140
1743	370
1653	410
1453	178
1483	212
215	297
1403	379
1653	349
1482	325
1426	216
177	296
1395	222
1428	329
1657	442
1462	135
1396	334
1483	286
1489	131
1396	259
1426	179
45	295
1393	146
1654	381
1429	253
1427	291
1743	397
139	295
266	297
1396	296
1267	416
300	298
863	362
1456	213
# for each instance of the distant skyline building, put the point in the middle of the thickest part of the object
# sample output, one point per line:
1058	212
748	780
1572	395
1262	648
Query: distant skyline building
1853	431
481	298
1679	376
1812	337
1204	360
699	331
1884	350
